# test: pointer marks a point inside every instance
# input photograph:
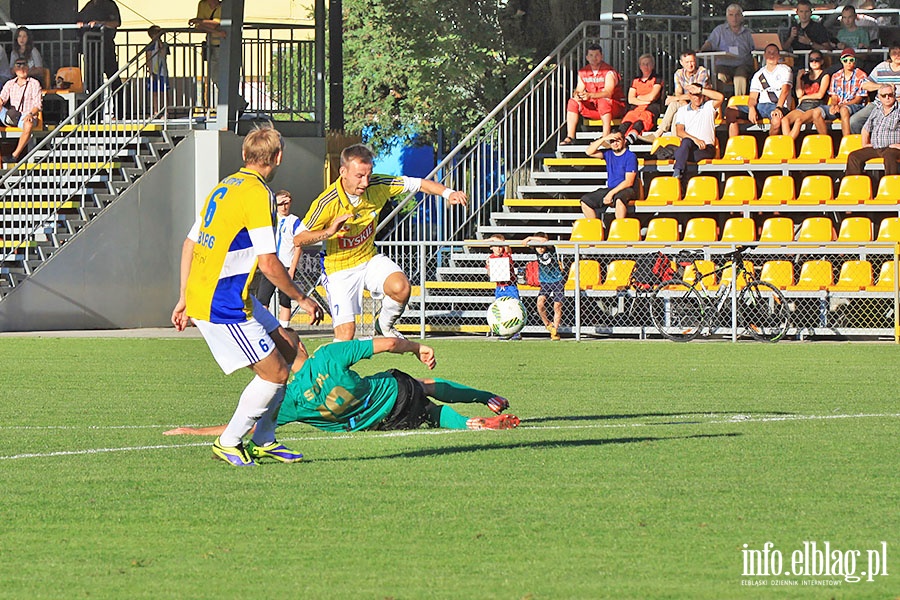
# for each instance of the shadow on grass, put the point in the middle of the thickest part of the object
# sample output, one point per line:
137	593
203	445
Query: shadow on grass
526	445
648	415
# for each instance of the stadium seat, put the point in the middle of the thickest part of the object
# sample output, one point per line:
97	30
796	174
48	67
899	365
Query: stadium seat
588	277
740	148
662	230
855	275
618	275
735	101
855	229
587	230
666	140
816	229
777	230
888	190
815	148
72	77
815	275
779	273
848	144
886	280
624	230
738	230
707	269
777	189
701	189
889	230
701	230
663	190
814	189
739	189
776	149
854	189
728	274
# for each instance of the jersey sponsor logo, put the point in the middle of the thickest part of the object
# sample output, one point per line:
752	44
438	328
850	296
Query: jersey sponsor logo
352	242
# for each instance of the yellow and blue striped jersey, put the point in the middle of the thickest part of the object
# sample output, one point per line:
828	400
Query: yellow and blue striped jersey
356	245
234	228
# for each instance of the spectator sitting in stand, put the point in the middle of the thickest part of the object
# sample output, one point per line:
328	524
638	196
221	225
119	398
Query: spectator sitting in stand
792	4
23	95
880	136
850	35
812	88
23	47
735	39
695	124
770	89
688	74
846	95
598	95
621	179
887	71
807	34
644	99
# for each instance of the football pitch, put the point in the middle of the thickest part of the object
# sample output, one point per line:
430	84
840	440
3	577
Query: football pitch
640	470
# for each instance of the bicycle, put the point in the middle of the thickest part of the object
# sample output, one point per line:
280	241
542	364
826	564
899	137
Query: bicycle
682	310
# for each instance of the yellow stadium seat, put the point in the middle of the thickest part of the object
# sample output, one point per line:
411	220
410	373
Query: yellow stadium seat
587	230
662	229
854	189
701	189
816	229
728	274
624	230
739	230
779	273
666	140
589	275
735	101
739	189
814	189
618	275
855	275
740	148
815	148
777	230
815	275
888	191
777	148
701	230
777	189
71	76
889	230
706	268
886	280
855	229
663	190
848	144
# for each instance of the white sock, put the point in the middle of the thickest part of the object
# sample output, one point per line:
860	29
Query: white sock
265	427
390	312
254	401
284	324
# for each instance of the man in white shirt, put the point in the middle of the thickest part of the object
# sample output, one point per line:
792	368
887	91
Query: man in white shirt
695	124
770	90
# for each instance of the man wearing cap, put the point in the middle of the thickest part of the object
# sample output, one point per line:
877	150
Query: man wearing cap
846	96
23	95
887	71
880	135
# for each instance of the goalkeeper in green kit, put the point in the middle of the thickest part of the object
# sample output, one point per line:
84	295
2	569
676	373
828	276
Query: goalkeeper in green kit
324	392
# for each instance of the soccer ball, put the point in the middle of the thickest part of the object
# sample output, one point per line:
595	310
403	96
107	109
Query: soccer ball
506	317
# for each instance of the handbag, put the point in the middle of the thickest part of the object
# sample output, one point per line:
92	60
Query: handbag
13	115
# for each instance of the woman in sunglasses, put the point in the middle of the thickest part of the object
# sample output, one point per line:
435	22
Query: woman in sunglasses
811	91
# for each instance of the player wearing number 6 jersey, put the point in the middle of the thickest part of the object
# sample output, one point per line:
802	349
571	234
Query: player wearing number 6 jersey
232	235
345	216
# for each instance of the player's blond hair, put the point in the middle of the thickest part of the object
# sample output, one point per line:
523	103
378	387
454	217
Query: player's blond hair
359	152
262	145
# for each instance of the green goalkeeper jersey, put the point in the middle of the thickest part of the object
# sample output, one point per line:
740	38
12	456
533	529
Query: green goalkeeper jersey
326	394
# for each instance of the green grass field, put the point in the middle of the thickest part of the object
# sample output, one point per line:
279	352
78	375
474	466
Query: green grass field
640	470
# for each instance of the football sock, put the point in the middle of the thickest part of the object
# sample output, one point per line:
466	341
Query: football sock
390	312
451	392
265	427
254	401
445	417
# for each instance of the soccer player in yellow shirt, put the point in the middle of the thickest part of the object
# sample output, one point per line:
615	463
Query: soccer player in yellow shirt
345	216
232	235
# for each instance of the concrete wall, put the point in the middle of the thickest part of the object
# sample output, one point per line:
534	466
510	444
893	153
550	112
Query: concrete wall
121	270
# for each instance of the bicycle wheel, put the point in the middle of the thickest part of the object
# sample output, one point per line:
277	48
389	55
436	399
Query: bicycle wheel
763	311
677	310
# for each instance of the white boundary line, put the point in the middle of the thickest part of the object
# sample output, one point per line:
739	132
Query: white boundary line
737	419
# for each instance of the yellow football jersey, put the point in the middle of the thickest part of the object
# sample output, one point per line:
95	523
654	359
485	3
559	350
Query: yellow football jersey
236	225
356	245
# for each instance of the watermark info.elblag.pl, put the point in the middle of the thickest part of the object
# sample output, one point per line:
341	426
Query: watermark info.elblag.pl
812	564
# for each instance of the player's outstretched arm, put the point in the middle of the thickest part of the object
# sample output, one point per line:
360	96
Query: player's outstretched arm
214	430
308	238
439	189
398	346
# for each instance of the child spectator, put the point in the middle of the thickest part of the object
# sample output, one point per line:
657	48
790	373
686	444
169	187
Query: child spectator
501	269
552	282
157	54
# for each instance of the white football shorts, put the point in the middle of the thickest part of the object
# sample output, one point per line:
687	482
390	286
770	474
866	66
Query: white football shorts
345	287
237	345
